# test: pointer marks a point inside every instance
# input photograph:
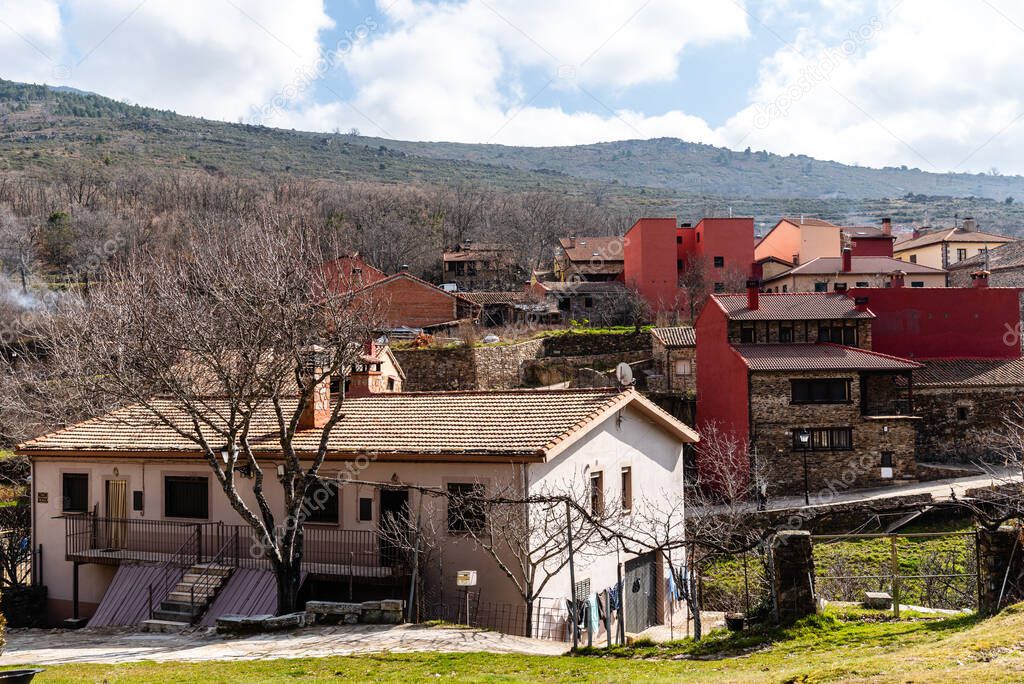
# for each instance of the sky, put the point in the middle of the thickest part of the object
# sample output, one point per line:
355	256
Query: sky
929	84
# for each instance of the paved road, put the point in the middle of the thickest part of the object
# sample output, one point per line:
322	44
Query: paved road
52	647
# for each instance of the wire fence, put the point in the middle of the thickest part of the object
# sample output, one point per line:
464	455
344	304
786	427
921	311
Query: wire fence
548	620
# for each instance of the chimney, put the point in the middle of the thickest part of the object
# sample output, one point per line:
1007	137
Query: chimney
860	303
896	278
753	296
980	279
918	232
847	260
969	225
796	259
370	347
887	225
572	241
317	411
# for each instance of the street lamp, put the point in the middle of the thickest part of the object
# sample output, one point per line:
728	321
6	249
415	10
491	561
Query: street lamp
805	441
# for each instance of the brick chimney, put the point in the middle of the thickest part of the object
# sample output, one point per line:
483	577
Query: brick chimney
918	232
796	259
317	411
860	303
847	260
896	278
887	225
980	279
969	225
572	242
753	294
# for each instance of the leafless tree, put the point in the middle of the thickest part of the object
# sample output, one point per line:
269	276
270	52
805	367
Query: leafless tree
1003	501
238	328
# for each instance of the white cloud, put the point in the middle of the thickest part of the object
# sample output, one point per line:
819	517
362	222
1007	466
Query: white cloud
30	33
936	86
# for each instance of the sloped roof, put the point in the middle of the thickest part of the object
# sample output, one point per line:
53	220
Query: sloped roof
867	265
791	306
608	248
971	372
485	298
1008	255
948	235
419	281
582	287
518	423
678	336
807	221
867	233
822	356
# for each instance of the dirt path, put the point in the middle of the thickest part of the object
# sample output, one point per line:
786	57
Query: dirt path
50	647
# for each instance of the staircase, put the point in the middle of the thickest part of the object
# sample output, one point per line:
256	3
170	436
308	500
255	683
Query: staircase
189	599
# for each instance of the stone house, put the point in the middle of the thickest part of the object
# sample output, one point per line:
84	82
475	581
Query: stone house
125	499
1004	265
825	274
945	247
793	377
481	266
674	351
593	259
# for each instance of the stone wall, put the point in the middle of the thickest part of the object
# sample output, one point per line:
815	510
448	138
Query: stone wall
792	576
466	368
767	332
553	370
585	344
664	379
999	550
774	417
958	422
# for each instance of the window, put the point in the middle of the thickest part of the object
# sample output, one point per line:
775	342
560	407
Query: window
719	262
679	264
748	333
465	509
75	493
824	439
838	333
679	239
821	287
785	288
832	391
322	503
391	384
916	283
719	287
962	413
137	500
683	367
597	493
862	283
186	497
961	254
365	509
627	489
588	302
785	332
913	258
887	459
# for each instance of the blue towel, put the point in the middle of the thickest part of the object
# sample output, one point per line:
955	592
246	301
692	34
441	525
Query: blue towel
673	591
594	614
614	596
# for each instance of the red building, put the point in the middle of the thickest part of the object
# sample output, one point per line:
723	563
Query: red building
657	254
870	241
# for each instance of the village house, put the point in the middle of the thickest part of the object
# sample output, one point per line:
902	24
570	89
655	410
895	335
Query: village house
795	378
944	247
1004	265
868	240
593	259
674	350
125	509
798	240
480	266
825	274
511	308
406	301
601	303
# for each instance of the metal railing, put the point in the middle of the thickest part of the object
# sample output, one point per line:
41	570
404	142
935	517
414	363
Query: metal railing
888	407
327	550
210	579
170	570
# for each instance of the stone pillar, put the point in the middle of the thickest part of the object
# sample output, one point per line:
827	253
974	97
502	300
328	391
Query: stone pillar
998	550
793	575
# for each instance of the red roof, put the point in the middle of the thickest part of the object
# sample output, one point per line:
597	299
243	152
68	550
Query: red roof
823	356
584	249
865	265
791	306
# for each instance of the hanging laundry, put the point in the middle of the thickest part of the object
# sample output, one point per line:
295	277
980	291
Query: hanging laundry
615	595
594	623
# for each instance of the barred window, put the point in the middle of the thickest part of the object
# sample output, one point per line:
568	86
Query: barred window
824	439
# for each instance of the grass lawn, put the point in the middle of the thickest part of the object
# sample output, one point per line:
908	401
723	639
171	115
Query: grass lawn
836	646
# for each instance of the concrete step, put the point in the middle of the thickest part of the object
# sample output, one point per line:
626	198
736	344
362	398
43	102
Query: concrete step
182	610
164	626
185	597
209	569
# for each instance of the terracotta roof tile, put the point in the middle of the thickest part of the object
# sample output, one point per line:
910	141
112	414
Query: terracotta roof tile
679	336
792	306
867	265
789	357
1009	255
485	298
948	235
507	423
608	248
971	372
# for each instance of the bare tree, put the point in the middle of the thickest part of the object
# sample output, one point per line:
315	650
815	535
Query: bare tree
237	330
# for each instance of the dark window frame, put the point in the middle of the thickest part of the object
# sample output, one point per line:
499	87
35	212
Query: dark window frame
365	514
820	391
718	261
596	492
329	513
474	519
627	488
824	439
171	501
66	503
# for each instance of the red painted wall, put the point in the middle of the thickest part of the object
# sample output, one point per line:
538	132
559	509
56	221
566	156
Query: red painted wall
942	323
722	379
649	261
730	238
871	247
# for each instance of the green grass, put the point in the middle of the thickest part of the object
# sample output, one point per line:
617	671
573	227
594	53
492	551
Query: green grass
840	645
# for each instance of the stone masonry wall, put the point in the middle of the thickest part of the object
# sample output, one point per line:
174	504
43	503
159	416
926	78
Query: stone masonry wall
803	332
997	549
466	368
774	418
943	436
584	344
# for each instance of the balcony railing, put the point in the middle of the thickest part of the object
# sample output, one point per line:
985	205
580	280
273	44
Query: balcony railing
327	551
888	407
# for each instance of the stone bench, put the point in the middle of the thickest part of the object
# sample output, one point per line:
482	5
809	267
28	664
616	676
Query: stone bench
880	600
255	624
388	612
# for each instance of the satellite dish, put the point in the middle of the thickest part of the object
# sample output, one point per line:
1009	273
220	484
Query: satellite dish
624	374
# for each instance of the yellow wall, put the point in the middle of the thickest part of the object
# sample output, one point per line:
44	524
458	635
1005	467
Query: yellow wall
931	255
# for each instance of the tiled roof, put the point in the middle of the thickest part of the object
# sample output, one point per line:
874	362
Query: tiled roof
485	298
791	357
868	265
971	372
806	221
608	248
867	233
508	423
948	235
679	336
1009	255
419	281
583	287
792	306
